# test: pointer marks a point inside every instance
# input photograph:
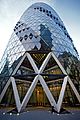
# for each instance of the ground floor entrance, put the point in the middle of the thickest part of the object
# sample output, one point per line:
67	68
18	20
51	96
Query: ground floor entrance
38	97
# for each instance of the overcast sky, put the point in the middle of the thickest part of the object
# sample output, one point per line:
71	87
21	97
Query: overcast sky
11	11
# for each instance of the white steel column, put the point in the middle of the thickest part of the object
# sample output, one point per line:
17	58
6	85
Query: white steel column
47	92
32	63
59	64
8	82
4	90
61	96
29	93
16	95
74	89
17	67
45	63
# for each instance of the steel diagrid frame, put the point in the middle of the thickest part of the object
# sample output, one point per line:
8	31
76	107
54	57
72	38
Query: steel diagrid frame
39	77
60	100
74	89
61	96
57	106
15	91
9	81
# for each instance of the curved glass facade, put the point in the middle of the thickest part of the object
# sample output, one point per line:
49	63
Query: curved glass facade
39	31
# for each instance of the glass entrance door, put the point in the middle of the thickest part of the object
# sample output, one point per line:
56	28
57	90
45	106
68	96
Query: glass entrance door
40	96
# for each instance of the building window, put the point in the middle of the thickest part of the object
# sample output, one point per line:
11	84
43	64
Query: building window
68	36
21	38
14	30
54	17
31	36
59	24
64	28
65	33
35	36
43	10
50	12
16	33
47	14
22	24
18	22
51	15
27	28
46	11
23	29
20	31
25	37
16	27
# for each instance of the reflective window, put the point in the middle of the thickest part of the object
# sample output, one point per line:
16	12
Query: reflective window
21	38
31	36
25	37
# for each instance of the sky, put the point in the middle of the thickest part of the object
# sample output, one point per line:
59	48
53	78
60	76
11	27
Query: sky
12	10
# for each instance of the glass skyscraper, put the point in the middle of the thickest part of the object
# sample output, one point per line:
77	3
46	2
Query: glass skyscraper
39	57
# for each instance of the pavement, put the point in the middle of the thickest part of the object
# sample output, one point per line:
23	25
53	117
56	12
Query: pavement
40	115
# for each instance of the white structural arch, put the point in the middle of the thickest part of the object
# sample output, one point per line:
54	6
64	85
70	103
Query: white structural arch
21	106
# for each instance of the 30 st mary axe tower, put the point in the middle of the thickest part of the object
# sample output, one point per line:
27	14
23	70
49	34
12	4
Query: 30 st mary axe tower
40	66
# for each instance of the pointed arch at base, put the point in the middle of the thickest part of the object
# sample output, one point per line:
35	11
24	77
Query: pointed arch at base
57	106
